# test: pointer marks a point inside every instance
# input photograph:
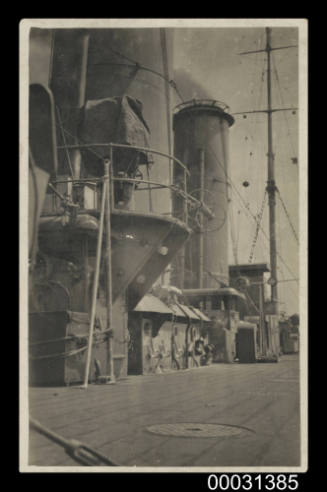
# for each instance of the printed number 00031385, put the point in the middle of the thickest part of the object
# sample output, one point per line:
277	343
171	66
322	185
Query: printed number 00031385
248	482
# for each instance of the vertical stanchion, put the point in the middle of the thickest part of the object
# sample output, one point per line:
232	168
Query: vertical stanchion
262	324
85	253
110	181
185	219
95	284
201	236
185	199
149	188
107	170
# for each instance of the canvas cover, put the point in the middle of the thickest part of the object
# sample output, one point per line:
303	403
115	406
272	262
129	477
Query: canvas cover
114	120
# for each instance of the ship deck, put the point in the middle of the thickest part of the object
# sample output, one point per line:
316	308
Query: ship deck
114	419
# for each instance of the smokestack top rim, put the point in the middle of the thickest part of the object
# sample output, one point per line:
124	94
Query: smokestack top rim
204	105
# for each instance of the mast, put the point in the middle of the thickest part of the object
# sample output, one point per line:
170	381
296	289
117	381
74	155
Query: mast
271	186
271	183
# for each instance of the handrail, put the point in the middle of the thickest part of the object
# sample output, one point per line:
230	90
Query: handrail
125	146
174	188
202	102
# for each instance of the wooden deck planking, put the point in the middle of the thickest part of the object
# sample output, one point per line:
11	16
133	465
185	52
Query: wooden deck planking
140	440
191	450
104	402
117	427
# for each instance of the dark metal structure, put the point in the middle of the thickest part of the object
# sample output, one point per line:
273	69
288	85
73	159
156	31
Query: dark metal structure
101	245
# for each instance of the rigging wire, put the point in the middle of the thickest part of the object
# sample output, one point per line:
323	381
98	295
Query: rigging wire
281	276
79	141
246	206
288	216
254	242
283	290
249	298
248	210
279	130
238	229
232	232
172	83
253	125
283	104
64	142
261	148
254	121
281	271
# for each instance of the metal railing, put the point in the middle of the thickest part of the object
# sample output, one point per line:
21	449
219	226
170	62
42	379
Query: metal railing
202	102
188	201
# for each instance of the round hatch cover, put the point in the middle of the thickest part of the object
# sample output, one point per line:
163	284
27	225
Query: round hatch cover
189	429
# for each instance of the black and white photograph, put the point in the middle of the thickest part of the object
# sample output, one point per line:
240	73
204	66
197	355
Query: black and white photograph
163	253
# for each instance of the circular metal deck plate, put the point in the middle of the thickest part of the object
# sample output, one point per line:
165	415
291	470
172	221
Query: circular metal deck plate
182	429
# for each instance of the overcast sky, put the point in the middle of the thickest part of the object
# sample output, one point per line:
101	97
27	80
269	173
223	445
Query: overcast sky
211	57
